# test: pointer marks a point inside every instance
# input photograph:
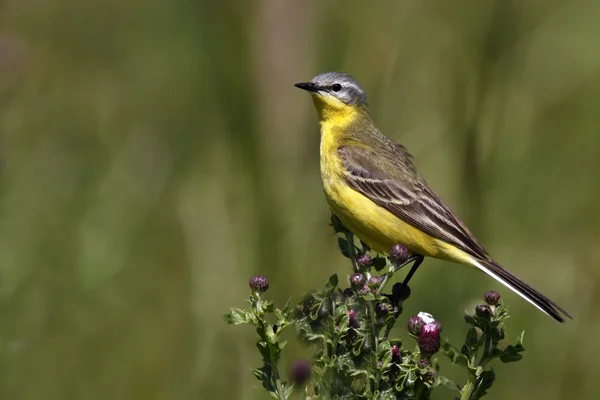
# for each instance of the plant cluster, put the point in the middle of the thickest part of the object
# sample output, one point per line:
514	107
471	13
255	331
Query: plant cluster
349	327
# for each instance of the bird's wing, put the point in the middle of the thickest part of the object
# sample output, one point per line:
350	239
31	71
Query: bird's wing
388	178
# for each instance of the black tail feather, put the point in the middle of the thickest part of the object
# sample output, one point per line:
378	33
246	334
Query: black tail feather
523	289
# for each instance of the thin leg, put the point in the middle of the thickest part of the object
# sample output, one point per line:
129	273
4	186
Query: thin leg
418	260
409	260
350	242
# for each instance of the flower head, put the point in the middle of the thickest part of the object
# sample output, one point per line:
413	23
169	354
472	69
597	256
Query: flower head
353	317
483	311
259	283
300	373
398	254
415	323
364	261
492	297
429	339
396	355
358	280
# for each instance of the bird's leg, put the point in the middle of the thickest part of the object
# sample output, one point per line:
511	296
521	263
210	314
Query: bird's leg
409	260
418	259
351	250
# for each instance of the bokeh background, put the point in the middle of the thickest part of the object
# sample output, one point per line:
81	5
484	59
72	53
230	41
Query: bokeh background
155	155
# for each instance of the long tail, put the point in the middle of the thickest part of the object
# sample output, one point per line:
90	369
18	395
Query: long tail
540	301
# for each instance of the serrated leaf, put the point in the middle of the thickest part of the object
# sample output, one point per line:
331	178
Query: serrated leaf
238	316
483	383
379	263
443	381
513	357
333	281
288	391
344	248
520	340
512	353
454	355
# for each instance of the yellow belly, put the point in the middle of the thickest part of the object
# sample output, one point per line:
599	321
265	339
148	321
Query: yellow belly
376	226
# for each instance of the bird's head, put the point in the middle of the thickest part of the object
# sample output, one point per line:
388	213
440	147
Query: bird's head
335	94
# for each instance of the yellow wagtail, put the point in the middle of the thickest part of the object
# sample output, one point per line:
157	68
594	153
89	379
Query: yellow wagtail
372	186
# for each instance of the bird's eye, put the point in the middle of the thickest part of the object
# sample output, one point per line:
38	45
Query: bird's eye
336	87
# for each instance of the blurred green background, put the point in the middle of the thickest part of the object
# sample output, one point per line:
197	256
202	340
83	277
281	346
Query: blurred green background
155	155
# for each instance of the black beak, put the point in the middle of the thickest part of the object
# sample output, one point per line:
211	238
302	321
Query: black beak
308	86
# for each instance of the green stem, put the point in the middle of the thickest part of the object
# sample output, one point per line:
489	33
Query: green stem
280	390
467	390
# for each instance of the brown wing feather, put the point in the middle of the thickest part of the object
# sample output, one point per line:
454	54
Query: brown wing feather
402	191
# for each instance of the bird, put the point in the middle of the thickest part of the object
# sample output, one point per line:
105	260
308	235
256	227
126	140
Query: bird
374	189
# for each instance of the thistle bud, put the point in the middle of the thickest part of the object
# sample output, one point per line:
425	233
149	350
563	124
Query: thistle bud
374	281
353	317
300	373
492	297
396	356
364	290
415	323
429	339
398	254
483	311
364	261
423	363
259	283
357	280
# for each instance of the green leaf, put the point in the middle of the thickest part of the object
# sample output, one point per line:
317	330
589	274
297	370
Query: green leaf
510	357
344	248
443	381
520	340
469	319
379	263
333	281
288	391
238	316
483	383
454	355
512	353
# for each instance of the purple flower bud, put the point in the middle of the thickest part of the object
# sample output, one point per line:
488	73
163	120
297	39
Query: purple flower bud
353	317
492	297
374	281
300	373
398	254
415	323
396	356
429	339
259	283
364	261
400	292
364	290
357	280
483	311
423	363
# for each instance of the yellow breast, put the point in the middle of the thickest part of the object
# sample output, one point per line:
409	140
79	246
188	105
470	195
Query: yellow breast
374	225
